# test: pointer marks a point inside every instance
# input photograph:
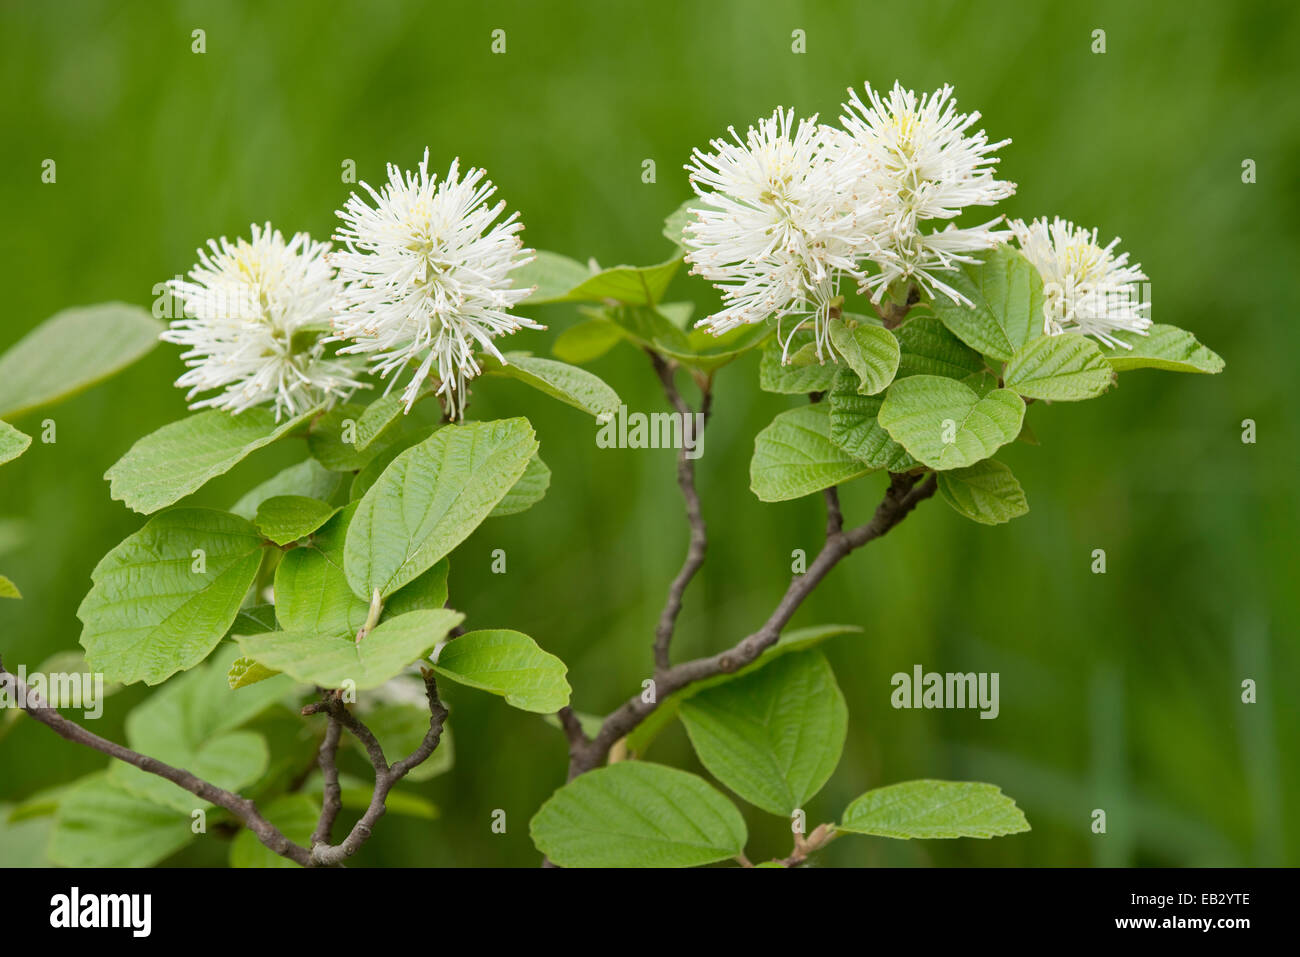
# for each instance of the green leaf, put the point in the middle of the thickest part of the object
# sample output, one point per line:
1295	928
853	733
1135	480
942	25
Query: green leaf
294	814
934	809
774	736
506	663
1006	293
527	492
794	456
570	384
287	518
870	351
561	279
801	374
926	347
312	592
587	340
245	671
181	457
1062	368
8	589
986	492
331	660
636	814
12	442
553	275
1164	347
379	416
308	478
431	498
800	639
150	613
945	424
71	351
100	824
634	285
855	429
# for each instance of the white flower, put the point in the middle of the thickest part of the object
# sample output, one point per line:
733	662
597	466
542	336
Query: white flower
782	219
1088	289
255	316
923	167
426	274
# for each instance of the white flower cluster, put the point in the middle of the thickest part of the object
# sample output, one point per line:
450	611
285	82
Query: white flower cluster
1087	287
254	315
426	278
784	218
922	167
422	284
791	209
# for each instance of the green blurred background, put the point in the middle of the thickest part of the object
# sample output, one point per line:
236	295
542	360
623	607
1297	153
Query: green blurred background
1118	691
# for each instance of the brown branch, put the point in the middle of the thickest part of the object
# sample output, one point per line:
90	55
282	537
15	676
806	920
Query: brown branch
834	517
386	776
332	794
432	737
572	728
244	809
905	492
699	540
340	712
